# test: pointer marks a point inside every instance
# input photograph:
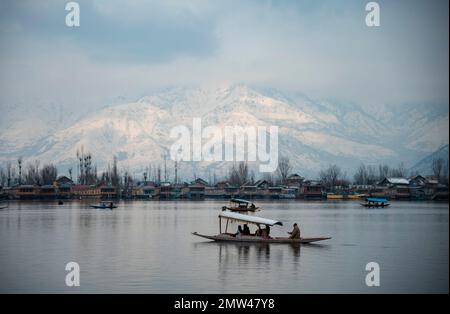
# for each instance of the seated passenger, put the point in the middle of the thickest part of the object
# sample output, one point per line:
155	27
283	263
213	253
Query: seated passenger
239	232
259	232
246	230
267	231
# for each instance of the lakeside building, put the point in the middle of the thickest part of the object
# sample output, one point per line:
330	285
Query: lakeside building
413	188
86	191
144	190
48	192
24	192
108	191
165	191
294	180
397	188
196	191
312	189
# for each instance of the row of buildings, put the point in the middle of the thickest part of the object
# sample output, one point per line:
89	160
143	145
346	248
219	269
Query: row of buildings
296	187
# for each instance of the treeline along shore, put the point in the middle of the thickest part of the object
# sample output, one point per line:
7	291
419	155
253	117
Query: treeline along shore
19	182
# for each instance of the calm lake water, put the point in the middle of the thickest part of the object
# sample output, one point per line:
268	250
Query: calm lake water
147	247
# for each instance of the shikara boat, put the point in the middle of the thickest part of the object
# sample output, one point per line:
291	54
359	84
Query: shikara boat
104	205
240	205
375	202
231	237
355	196
332	196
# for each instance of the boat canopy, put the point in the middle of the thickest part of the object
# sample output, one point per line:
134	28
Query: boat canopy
377	200
240	201
250	219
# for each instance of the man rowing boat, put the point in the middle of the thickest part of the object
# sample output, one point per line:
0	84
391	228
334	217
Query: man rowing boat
295	233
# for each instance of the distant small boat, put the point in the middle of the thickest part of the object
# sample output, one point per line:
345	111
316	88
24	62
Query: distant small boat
355	196
332	196
104	205
240	205
375	202
3	207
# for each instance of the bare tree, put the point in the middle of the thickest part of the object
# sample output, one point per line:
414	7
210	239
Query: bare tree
86	171
19	162
445	174
233	175
269	178
239	174
32	176
361	175
252	176
145	177
399	172
284	168
48	174
243	172
8	173
331	176
158	174
3	177
383	171
176	172
127	184
371	175
438	168
115	173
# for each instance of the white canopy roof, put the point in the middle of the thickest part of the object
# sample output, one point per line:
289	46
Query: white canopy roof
251	219
398	180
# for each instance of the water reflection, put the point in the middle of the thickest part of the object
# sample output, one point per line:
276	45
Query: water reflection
148	247
244	253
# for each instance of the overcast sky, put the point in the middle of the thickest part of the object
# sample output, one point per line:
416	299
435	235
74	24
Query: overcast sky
320	47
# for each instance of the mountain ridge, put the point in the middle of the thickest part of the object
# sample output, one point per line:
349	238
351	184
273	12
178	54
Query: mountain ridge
313	134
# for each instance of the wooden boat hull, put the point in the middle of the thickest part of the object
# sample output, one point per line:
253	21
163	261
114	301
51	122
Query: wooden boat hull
242	210
375	205
103	207
335	197
254	239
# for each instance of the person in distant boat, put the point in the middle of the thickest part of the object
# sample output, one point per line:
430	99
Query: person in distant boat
239	232
262	233
252	206
246	230
267	235
295	233
258	232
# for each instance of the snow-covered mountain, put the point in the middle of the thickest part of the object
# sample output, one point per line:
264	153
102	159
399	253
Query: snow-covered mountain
425	165
313	134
